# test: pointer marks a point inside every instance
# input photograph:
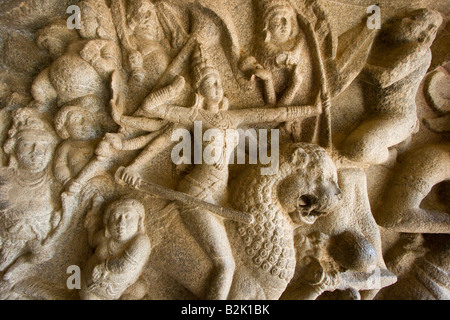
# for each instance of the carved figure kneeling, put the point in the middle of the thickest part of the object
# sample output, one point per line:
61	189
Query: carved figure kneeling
121	251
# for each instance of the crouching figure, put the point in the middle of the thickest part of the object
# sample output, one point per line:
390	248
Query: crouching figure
121	251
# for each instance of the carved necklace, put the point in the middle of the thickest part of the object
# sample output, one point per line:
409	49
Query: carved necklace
34	180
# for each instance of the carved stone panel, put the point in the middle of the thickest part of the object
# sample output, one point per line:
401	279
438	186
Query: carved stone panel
214	150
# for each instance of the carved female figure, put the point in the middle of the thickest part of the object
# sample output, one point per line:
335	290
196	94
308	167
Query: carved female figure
209	181
277	60
121	251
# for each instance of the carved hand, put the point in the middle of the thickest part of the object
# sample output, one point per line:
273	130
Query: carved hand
297	78
263	74
114	140
131	177
116	112
320	102
92	215
99	272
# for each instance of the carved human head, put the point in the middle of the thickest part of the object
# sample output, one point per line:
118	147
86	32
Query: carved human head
55	38
31	141
142	19
206	78
311	190
76	122
278	21
123	219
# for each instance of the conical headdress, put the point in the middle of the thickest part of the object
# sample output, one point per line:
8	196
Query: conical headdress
201	67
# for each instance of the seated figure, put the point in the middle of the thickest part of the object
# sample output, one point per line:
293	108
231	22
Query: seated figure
121	251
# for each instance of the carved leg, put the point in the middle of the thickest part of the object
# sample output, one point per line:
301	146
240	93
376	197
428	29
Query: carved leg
210	234
11	250
371	141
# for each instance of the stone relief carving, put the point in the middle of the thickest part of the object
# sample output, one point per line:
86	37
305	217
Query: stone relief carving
419	172
30	216
120	142
394	116
121	250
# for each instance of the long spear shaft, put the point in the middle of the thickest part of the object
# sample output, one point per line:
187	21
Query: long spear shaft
174	195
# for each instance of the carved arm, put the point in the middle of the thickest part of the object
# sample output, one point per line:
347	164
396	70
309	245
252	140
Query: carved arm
132	257
280	114
407	63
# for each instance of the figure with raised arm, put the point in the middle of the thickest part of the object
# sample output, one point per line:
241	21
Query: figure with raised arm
208	181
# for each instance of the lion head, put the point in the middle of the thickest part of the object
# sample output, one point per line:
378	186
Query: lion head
311	190
304	188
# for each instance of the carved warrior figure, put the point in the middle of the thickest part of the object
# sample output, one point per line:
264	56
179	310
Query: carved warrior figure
400	59
30	212
279	52
145	30
121	251
295	51
209	182
419	171
147	34
79	127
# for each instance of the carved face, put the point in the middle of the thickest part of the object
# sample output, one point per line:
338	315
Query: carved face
53	45
420	25
81	127
211	89
33	153
312	194
123	223
144	20
280	26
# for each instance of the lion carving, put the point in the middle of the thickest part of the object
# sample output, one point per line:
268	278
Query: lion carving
286	253
304	189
